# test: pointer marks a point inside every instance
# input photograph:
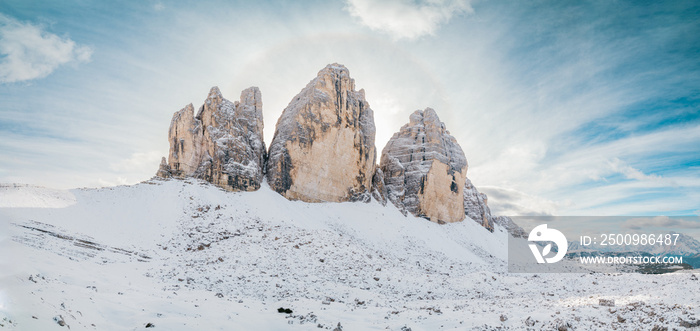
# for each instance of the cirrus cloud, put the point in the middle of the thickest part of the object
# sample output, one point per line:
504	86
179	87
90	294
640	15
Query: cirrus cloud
406	19
29	52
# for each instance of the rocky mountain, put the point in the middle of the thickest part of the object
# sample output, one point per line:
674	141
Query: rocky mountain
223	144
323	148
476	205
425	169
513	229
323	151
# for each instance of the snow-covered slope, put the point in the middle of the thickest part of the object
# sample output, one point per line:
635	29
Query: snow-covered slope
27	196
186	255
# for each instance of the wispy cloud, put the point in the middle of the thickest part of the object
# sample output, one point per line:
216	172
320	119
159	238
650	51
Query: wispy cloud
512	202
405	18
29	52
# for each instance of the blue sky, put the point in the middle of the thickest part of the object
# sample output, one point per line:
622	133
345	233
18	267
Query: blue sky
562	108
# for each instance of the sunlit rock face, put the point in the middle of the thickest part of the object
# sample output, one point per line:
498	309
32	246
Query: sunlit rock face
425	169
323	148
223	144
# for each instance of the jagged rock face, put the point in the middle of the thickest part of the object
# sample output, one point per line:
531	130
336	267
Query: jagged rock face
476	206
425	169
510	226
223	144
185	137
378	189
323	148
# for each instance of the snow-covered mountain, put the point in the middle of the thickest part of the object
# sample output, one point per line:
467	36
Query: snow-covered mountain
323	151
185	254
229	236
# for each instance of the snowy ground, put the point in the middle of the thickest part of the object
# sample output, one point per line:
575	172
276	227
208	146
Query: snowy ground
184	255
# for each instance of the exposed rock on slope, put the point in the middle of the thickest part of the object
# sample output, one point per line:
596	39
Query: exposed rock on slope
378	189
425	169
323	148
476	206
223	144
510	226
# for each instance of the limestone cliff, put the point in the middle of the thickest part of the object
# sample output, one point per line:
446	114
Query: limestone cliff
323	148
222	144
425	169
476	206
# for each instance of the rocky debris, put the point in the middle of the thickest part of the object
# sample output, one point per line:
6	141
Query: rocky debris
563	326
323	148
476	206
425	169
60	321
606	302
688	324
530	322
223	144
510	226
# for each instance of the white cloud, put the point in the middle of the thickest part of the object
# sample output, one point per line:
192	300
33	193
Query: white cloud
629	172
405	18
510	202
138	162
28	52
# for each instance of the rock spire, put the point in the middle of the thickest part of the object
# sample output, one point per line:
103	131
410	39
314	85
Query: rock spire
223	144
425	169
323	148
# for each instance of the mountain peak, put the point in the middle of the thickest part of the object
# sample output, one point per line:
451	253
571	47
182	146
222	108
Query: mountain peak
332	77
323	148
223	144
425	169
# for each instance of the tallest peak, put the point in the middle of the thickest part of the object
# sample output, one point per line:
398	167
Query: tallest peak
214	92
332	77
335	69
323	148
